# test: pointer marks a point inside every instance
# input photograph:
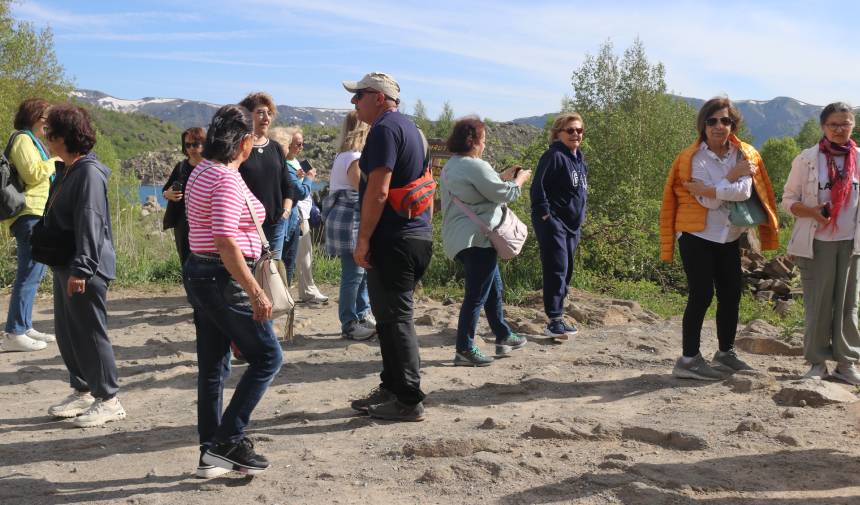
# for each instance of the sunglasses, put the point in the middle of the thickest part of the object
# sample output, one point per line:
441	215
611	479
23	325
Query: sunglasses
572	130
725	121
191	145
360	93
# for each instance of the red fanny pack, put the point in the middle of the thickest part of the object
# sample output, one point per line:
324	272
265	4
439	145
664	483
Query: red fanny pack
415	198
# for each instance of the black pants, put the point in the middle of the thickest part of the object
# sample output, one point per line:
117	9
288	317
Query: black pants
398	264
180	235
710	265
80	322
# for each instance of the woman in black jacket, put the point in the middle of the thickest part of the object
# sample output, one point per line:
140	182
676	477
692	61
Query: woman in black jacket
174	189
78	207
558	197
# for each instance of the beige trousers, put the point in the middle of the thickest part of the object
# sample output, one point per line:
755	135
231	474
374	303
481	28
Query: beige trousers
304	264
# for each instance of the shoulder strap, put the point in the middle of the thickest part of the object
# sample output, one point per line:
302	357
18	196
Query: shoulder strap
256	221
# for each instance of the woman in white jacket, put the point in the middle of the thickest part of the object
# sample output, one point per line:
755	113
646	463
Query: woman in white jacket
822	193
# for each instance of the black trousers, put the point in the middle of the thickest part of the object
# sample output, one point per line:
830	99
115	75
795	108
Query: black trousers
80	322
710	265
180	235
398	264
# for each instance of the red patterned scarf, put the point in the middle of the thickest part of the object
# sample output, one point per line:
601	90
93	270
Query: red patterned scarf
840	181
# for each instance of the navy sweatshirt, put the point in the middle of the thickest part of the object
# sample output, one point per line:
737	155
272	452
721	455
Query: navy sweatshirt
79	203
560	186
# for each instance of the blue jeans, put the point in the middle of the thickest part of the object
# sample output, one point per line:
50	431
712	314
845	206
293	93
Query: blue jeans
354	303
27	278
291	249
483	289
275	235
223	314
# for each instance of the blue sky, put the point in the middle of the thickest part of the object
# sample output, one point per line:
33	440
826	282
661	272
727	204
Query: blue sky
500	59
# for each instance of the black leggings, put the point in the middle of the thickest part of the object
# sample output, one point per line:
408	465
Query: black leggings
710	265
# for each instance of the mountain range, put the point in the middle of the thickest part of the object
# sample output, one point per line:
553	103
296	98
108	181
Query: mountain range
779	117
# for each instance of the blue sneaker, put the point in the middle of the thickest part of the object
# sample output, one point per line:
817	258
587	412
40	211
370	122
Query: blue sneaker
560	330
510	343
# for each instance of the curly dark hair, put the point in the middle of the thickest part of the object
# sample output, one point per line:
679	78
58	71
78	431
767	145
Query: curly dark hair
225	133
29	113
193	133
254	100
74	125
465	135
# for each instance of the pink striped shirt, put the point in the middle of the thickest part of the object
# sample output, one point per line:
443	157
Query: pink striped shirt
216	208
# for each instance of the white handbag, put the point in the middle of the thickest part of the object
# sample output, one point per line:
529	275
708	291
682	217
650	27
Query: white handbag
271	275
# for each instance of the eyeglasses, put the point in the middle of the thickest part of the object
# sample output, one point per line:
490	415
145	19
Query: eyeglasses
193	145
725	121
572	130
263	113
360	93
841	126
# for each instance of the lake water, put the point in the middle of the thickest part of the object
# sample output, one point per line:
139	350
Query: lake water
155	190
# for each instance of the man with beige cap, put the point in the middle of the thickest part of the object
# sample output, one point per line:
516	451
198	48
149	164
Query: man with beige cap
394	249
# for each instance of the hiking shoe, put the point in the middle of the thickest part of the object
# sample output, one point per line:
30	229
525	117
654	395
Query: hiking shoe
377	395
729	360
74	404
510	343
315	300
394	410
207	471
100	412
560	330
238	456
356	331
472	357
368	321
846	372
22	343
817	371
38	335
696	368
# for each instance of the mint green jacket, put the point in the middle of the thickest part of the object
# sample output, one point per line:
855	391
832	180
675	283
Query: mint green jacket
476	184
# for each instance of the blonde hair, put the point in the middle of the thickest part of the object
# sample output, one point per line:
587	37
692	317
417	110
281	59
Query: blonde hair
284	135
561	120
353	133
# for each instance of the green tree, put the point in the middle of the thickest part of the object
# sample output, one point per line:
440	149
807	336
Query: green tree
634	130
28	66
778	153
421	118
445	122
809	135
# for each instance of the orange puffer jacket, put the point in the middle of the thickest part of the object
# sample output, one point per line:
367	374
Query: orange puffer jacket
682	212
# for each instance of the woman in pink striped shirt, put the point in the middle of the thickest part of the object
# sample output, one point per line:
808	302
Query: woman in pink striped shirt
229	305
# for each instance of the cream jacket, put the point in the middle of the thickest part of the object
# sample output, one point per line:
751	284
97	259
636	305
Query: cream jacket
802	186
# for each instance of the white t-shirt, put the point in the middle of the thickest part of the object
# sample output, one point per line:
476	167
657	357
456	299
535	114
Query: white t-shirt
339	179
844	229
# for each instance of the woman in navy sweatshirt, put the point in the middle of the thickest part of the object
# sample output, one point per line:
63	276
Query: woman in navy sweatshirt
558	195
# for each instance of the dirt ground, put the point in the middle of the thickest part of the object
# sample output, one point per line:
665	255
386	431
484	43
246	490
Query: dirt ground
598	420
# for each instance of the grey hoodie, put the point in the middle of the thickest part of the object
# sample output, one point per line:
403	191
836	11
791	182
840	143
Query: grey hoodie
79	204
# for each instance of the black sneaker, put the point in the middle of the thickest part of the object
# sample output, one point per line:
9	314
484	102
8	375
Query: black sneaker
394	410
377	395
206	471
239	456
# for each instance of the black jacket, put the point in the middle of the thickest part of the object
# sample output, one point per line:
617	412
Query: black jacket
175	211
79	203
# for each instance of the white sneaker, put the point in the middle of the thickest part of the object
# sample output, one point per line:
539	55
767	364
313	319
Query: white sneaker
101	412
73	405
369	321
818	371
38	335
22	343
316	300
846	372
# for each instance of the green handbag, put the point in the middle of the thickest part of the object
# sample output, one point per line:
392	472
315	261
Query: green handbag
749	212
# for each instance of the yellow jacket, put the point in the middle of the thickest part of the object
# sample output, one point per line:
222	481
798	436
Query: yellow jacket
682	212
34	172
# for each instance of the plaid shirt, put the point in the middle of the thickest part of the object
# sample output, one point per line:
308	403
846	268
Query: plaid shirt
341	222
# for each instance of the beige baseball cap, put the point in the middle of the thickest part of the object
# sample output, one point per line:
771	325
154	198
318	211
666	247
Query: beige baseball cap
379	81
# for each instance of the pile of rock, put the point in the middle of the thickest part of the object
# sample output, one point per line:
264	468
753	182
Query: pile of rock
770	280
150	206
153	167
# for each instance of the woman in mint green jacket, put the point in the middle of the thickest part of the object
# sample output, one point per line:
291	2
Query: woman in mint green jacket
469	182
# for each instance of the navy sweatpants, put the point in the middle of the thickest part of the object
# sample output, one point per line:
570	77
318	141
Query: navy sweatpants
557	251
